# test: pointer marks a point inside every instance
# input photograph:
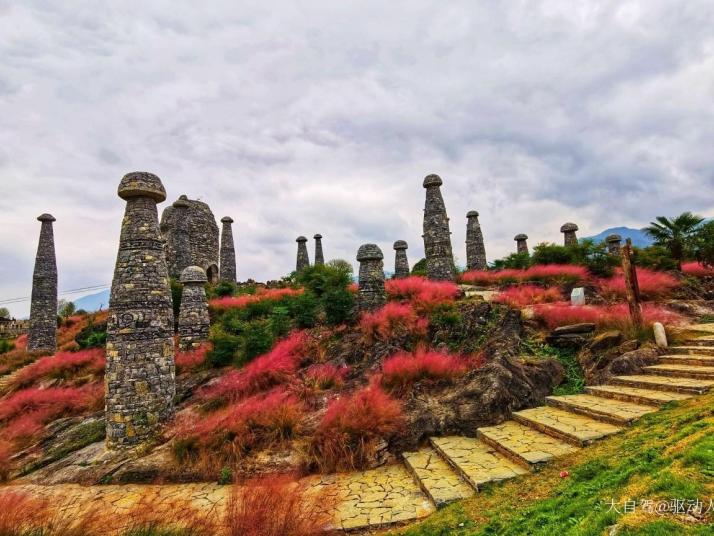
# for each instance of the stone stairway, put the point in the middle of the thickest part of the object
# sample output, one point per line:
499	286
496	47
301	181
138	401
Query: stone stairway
453	467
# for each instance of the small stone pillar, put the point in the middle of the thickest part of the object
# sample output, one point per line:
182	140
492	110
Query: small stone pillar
371	278
569	236
521	243
613	242
437	236
475	249
401	264
228	253
303	261
43	307
193	321
140	376
319	256
182	238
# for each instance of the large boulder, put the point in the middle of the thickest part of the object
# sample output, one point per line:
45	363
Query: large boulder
608	355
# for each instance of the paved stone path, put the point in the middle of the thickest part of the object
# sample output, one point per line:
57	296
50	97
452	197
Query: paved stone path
453	467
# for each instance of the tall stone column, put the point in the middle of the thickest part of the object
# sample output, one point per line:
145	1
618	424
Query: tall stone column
319	256
43	307
140	375
228	253
371	278
437	237
475	249
182	238
521	243
569	236
613	243
401	264
193	322
303	261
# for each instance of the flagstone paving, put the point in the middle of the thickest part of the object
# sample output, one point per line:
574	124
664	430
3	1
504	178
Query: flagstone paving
437	479
665	383
569	427
607	409
635	394
524	444
688	359
687	371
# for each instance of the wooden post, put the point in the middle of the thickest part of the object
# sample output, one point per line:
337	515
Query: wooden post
632	288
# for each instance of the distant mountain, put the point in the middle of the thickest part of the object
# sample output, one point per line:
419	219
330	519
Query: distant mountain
639	238
93	302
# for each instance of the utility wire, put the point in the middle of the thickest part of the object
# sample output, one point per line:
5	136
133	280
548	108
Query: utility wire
62	293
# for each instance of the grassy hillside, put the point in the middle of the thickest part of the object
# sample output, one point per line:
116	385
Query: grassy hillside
666	455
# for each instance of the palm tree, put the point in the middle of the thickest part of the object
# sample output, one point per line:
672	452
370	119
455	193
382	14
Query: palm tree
675	234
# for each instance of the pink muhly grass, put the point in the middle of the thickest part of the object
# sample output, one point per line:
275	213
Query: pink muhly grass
189	360
604	316
275	294
697	269
276	367
404	369
523	295
652	284
421	292
393	317
62	365
555	274
53	402
326	375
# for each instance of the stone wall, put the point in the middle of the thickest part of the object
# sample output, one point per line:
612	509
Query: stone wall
43	307
11	328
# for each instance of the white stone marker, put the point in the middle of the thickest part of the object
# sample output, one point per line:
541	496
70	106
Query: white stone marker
660	335
577	296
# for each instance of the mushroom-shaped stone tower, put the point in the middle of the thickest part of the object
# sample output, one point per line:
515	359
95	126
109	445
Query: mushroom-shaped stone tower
371	278
43	307
613	242
437	236
521	243
181	241
569	236
475	249
401	263
228	254
193	321
319	256
140	376
303	261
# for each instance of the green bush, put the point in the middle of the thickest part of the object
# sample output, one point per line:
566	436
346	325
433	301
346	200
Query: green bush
419	268
280	321
257	338
6	346
586	253
176	291
226	348
338	305
516	261
225	288
320	279
655	257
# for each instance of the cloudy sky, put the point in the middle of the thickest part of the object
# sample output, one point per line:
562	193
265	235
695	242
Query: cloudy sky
305	117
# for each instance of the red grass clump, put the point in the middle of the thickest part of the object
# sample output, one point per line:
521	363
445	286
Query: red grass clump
326	376
653	285
189	360
274	294
274	506
523	295
62	365
609	317
696	269
422	293
404	369
386	321
352	428
276	367
554	274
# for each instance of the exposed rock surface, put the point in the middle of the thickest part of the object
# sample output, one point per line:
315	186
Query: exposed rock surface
608	355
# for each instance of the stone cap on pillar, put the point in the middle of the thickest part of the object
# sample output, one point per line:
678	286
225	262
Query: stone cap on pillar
520	237
369	252
301	239
432	180
193	274
181	202
317	236
141	184
472	214
227	219
46	217
568	227
613	238
400	244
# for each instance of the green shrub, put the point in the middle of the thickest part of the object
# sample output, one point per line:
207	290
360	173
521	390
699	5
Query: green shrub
338	305
304	309
226	348
225	288
6	346
257	338
444	317
516	261
655	257
176	291
419	268
320	279
280	321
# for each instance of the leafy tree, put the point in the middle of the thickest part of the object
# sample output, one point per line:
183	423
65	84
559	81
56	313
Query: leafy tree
704	244
655	257
4	312
419	268
518	261
341	264
65	308
676	234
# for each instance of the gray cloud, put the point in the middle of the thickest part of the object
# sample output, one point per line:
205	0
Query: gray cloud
325	117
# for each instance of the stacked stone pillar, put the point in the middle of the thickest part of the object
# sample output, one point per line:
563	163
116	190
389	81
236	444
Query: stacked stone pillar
437	236
401	264
371	278
140	375
193	322
475	249
614	243
228	253
319	256
182	237
521	243
569	236
303	261
43	308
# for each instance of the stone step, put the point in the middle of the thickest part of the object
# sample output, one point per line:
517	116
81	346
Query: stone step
635	395
607	410
476	461
707	341
687	359
681	371
436	477
570	427
665	383
692	349
707	327
523	444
